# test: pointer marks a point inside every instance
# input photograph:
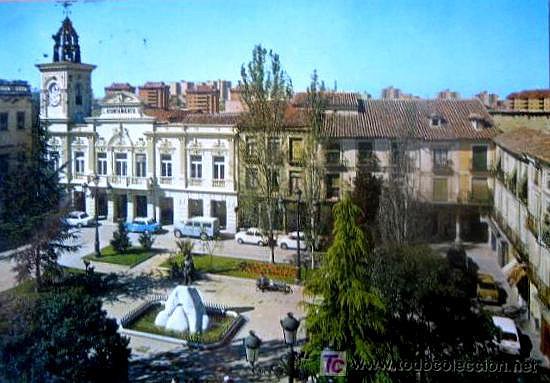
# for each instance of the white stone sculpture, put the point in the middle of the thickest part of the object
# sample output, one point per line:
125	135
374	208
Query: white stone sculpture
184	311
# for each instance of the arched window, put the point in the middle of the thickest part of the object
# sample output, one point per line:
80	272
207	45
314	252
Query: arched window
78	94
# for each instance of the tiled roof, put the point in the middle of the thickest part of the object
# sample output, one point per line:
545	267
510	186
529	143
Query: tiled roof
335	100
533	142
212	118
396	118
163	115
526	94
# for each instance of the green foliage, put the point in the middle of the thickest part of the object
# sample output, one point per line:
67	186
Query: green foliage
64	337
366	195
121	240
347	314
146	240
176	262
132	257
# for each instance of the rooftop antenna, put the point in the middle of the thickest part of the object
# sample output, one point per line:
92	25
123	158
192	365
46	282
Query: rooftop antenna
66	5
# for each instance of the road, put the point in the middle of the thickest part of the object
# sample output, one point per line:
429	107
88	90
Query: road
166	241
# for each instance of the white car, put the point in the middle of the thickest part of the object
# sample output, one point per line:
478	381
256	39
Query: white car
509	338
79	219
252	235
290	241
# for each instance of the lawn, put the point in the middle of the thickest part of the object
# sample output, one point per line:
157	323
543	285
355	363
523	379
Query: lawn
146	323
132	257
242	268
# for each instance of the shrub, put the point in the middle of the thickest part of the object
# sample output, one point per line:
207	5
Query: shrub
269	269
121	241
146	240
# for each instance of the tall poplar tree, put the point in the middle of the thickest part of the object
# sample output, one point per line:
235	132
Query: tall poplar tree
265	90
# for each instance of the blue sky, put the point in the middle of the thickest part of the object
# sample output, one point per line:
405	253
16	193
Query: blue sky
419	46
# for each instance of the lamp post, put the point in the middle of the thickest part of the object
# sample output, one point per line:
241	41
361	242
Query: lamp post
298	258
290	329
252	343
252	347
93	193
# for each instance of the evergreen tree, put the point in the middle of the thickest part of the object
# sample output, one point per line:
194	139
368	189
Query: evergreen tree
63	337
347	314
32	206
121	240
146	240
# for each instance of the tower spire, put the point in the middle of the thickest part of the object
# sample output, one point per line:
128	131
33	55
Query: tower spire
66	47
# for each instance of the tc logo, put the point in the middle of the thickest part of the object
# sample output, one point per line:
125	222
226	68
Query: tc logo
333	363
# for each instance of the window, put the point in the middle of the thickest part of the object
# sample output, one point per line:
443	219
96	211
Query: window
54	160
166	165
4	164
79	162
333	185
480	189
296	150
219	167
294	182
250	146
78	94
479	155
251	178
440	193
365	151
441	158
436	121
102	164
194	208
274	149
121	165
3	121
20	120
332	154
274	177
141	165
196	167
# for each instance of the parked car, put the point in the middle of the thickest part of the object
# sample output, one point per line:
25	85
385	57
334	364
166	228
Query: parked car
79	219
200	227
509	339
143	225
290	241
487	288
252	235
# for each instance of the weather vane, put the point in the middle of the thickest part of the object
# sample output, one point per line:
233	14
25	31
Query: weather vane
66	4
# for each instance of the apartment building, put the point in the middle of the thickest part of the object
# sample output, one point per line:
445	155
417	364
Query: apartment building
16	121
520	224
120	87
537	100
155	94
204	99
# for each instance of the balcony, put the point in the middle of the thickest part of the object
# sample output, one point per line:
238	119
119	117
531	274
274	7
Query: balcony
118	180
165	180
444	168
479	166
195	182
138	180
80	177
218	183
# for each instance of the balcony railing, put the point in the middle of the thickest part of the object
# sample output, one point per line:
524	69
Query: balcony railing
443	168
138	180
165	180
218	183
478	166
195	181
118	180
80	177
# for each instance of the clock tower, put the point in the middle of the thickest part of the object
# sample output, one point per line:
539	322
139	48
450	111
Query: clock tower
66	85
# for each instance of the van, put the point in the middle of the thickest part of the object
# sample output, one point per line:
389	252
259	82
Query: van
199	227
509	338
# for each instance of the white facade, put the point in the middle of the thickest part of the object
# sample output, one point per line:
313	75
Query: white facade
164	171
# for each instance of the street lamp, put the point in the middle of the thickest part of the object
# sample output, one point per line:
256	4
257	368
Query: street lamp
93	192
290	329
252	347
298	258
290	326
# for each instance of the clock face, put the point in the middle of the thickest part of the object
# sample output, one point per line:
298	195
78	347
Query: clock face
54	95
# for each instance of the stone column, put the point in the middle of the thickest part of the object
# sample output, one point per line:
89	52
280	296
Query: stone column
110	207
129	207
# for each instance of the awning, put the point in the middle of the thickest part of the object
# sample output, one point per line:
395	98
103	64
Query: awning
515	274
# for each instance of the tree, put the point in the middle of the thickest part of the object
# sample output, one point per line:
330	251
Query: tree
346	313
146	240
265	91
176	262
366	195
121	240
32	206
65	337
313	162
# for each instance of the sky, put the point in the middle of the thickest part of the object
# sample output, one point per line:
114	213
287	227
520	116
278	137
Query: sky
421	46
